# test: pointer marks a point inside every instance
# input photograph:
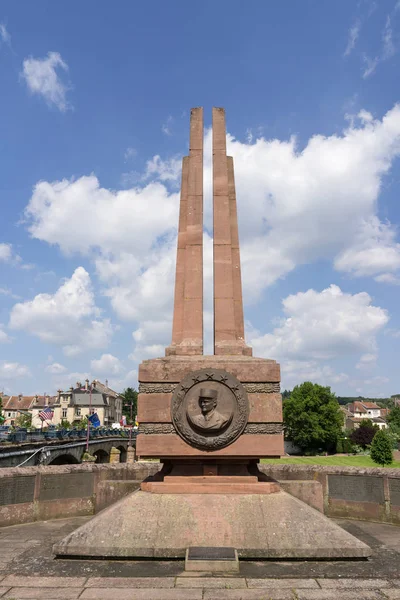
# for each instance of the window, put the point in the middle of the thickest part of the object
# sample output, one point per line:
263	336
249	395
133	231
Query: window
64	413
78	411
9	414
91	411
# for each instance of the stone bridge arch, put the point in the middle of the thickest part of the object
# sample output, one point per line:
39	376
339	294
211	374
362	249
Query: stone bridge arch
74	454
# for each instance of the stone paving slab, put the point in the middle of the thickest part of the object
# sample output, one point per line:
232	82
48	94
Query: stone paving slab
282	583
131	582
393	594
53	582
211	582
272	594
140	594
3	590
367	584
22	593
333	594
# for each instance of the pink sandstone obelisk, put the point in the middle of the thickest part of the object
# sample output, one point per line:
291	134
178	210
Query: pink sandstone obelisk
228	302
187	329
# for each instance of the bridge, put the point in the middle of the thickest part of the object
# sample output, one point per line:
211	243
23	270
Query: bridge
61	452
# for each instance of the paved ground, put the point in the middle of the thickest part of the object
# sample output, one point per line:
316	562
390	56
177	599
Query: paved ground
29	570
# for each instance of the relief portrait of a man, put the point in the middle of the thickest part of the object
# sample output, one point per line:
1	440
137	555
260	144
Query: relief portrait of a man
209	418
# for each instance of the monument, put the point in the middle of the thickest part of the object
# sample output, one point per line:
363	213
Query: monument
209	415
209	419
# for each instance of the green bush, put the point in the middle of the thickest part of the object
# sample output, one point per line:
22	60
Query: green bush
381	448
340	446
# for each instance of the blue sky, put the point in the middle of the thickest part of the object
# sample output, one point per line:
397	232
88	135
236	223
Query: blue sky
95	102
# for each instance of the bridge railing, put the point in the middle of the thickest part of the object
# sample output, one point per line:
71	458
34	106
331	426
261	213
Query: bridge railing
37	435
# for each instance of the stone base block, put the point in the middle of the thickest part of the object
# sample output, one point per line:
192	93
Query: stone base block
165	525
210	487
172	369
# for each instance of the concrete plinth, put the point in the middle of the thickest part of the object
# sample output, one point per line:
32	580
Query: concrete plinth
165	525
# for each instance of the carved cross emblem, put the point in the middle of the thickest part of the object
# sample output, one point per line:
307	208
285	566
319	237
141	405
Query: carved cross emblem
223	378
209	376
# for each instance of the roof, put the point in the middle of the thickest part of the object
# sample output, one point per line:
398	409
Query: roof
385	412
356	406
104	388
18	402
83	399
370	405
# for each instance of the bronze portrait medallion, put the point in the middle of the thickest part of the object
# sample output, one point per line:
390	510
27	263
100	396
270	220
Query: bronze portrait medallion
209	409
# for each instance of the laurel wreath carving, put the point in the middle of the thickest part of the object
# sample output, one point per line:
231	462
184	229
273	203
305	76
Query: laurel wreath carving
251	428
214	440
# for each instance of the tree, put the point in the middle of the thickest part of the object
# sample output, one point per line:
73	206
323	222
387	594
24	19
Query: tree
364	434
2	419
312	417
82	424
129	404
394	419
381	448
24	420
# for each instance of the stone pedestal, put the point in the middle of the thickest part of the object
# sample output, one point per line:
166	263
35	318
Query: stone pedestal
158	380
257	526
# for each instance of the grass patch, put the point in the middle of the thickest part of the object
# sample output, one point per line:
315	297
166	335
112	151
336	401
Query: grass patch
329	461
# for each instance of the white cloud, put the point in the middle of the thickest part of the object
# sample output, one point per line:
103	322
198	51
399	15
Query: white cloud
10	257
323	325
374	250
130	154
107	364
121	383
68	318
354	32
370	65
5	37
367	361
388	49
55	368
4	337
42	78
13	370
5	252
295	372
164	170
80	216
387	278
167	126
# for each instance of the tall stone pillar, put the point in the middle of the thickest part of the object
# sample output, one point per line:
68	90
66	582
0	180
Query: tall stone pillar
228	303
187	329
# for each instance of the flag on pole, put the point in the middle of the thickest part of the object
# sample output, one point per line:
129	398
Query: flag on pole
94	420
47	414
123	421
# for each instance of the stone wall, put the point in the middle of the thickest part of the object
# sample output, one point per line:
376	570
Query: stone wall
349	492
53	492
42	493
